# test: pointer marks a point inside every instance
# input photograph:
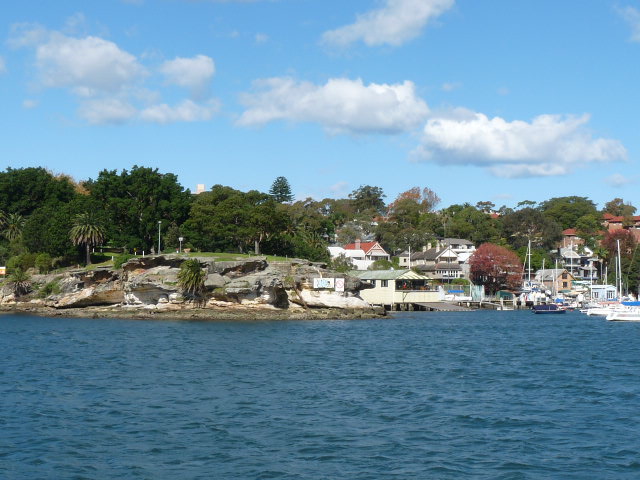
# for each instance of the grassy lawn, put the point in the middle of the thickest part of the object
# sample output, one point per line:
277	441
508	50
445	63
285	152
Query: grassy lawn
104	259
234	256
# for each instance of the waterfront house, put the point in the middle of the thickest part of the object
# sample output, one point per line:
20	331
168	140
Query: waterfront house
555	279
603	293
396	288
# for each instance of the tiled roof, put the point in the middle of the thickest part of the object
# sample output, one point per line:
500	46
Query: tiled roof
448	266
619	218
366	246
457	241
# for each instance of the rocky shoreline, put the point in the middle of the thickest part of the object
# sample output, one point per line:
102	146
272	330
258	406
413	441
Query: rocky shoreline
198	314
246	289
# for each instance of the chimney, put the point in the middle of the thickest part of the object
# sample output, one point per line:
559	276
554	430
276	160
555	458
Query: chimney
428	246
357	244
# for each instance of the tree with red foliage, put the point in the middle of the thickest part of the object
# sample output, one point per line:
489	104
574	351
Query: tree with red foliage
610	243
495	267
426	199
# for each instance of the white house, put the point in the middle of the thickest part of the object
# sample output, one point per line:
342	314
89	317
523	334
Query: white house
361	254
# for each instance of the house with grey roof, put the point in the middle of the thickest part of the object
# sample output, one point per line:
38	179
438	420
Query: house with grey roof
391	288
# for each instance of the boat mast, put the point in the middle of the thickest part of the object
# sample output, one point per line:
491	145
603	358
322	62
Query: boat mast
529	260
619	271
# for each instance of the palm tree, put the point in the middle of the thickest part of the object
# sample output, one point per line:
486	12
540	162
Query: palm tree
13	225
21	281
86	231
191	277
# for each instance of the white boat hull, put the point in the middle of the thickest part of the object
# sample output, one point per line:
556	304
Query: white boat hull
631	315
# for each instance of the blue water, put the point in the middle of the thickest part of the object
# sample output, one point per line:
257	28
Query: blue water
495	395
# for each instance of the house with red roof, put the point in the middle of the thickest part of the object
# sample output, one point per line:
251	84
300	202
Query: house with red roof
361	254
571	239
617	222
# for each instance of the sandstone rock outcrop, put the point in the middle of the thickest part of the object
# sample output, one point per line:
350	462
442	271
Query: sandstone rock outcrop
152	283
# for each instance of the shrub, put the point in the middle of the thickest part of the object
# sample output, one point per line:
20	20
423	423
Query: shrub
23	262
121	259
43	262
51	288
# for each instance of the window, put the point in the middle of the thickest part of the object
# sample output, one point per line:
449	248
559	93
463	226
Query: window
384	283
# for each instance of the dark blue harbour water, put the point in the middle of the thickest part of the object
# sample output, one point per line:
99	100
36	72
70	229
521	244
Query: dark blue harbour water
488	395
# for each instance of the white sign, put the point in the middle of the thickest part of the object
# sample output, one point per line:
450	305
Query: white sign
3	270
339	284
323	283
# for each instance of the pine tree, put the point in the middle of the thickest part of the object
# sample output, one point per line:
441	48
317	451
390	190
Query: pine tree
281	190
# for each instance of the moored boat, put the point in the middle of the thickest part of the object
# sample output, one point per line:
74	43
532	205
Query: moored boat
628	315
550	308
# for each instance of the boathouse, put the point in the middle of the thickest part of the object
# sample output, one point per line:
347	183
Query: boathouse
397	289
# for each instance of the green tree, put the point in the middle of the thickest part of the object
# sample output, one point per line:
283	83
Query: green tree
43	262
530	224
87	231
13	226
21	282
566	211
368	199
281	190
619	208
467	222
23	190
341	264
486	206
381	264
136	200
588	227
47	228
226	219
191	278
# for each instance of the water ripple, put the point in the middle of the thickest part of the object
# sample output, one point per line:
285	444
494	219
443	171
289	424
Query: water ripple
424	395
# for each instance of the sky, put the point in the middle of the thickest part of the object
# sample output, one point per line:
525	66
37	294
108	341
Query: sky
495	100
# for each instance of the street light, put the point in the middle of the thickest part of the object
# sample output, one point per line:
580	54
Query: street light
180	239
159	224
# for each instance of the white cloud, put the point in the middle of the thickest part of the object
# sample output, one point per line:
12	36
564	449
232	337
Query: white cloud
340	106
29	103
108	81
192	73
261	38
87	65
339	188
618	180
107	111
187	111
548	145
451	86
3	66
632	16
397	22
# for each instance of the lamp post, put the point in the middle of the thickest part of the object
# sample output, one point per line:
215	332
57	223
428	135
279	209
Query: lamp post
159	224
180	239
